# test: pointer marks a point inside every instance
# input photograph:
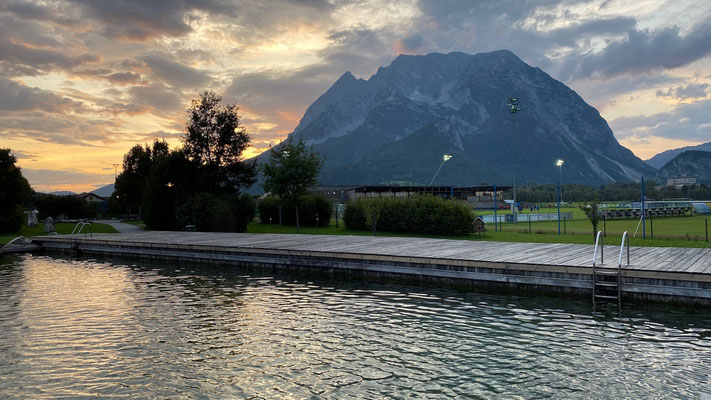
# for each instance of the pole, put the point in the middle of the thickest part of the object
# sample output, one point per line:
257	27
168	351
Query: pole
604	224
560	179
496	207
558	197
513	149
644	236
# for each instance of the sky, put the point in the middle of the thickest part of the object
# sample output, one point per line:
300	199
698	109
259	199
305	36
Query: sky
82	81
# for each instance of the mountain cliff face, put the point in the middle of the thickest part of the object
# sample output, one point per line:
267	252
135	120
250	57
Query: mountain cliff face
662	158
396	126
689	164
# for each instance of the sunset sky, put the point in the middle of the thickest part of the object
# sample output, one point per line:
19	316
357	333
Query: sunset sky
81	81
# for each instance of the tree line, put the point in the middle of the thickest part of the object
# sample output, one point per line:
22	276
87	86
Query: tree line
609	192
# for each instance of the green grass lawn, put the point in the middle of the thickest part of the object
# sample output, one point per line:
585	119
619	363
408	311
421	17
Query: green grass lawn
517	234
693	227
61	228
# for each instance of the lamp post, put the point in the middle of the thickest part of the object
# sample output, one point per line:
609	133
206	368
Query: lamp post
171	185
560	163
445	158
513	109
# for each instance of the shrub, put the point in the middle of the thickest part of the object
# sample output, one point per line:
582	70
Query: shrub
424	214
11	221
71	207
215	213
310	205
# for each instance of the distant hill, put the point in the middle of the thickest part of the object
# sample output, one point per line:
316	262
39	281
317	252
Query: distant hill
62	193
397	125
104	191
664	157
691	164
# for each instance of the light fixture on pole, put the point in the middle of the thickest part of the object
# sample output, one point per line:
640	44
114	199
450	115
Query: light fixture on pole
513	109
445	158
559	163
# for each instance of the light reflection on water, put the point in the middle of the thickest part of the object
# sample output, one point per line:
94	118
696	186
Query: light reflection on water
89	328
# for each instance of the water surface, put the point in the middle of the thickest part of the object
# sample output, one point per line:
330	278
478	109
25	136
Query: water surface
107	328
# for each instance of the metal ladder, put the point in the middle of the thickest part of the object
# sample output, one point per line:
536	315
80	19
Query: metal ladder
607	282
78	228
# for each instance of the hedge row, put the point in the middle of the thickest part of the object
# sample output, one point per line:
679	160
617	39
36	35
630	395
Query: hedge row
420	214
310	207
215	213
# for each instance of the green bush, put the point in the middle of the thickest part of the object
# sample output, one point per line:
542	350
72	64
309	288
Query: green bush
11	221
310	205
215	213
424	214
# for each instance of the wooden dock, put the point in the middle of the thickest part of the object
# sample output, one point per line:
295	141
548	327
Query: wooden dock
660	273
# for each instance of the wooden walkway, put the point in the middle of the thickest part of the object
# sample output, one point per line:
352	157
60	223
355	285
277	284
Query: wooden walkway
654	272
667	259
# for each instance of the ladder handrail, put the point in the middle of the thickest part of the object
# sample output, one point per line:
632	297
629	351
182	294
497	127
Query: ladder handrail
81	226
597	241
622	248
619	267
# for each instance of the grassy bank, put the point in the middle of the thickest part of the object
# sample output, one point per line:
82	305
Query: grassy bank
62	228
512	233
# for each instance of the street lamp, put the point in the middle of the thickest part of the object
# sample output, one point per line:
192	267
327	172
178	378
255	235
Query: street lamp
513	109
445	158
559	163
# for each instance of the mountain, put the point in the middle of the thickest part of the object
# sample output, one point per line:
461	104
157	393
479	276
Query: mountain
691	164
662	158
62	193
397	125
104	191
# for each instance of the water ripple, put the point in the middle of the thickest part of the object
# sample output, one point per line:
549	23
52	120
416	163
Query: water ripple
90	328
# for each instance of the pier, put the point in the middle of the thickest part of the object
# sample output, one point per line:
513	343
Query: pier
655	273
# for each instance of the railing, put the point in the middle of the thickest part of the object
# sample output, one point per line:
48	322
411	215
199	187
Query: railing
602	245
79	227
594	261
619	266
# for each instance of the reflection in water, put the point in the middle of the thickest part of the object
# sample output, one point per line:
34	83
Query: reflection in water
88	328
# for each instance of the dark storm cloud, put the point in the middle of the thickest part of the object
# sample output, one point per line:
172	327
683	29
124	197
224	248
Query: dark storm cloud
690	121
175	73
644	51
159	97
18	97
124	78
42	59
690	91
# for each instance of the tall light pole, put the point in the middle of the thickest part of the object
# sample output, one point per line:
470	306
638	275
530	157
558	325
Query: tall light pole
559	163
115	166
513	109
445	158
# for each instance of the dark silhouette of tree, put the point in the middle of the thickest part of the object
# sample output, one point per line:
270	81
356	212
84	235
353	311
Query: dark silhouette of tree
130	183
215	141
291	171
591	211
14	192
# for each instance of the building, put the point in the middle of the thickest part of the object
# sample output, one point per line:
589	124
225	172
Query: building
102	202
679	182
478	197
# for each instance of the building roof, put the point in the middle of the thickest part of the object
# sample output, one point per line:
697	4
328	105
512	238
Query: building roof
431	189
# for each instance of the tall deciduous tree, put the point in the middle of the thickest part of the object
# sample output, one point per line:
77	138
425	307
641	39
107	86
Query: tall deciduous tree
215	141
291	171
130	183
14	191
